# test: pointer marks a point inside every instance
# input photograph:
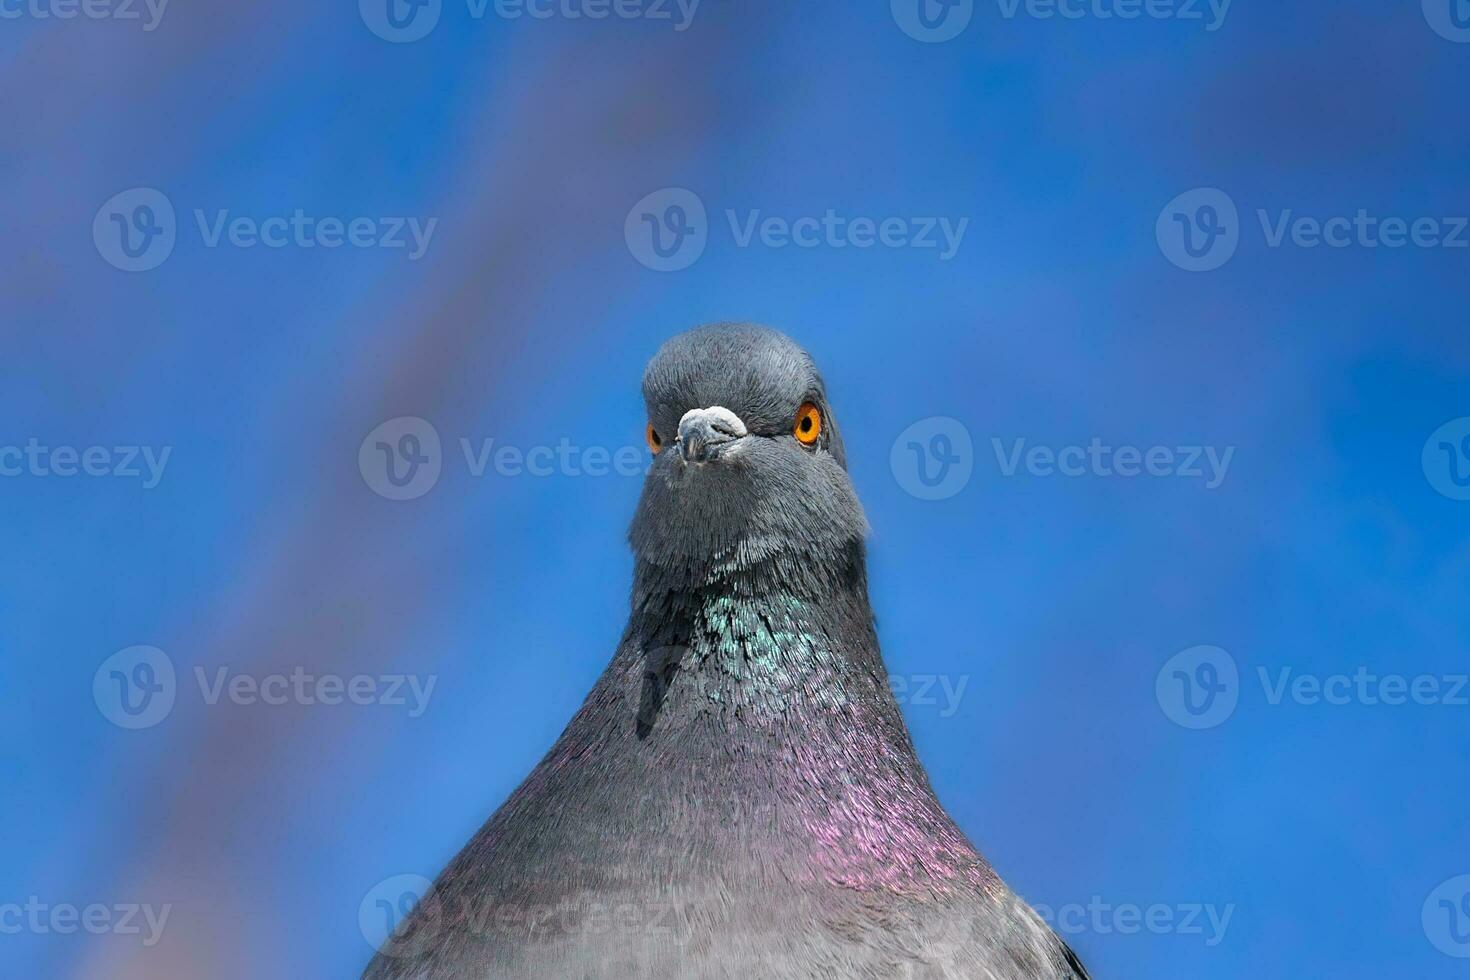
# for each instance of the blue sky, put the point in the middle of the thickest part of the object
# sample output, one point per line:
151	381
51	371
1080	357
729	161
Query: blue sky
1290	837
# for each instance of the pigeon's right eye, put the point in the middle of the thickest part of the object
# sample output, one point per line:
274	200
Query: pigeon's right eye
654	442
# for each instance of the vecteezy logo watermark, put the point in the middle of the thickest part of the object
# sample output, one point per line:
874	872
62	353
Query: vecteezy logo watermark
933	458
668	230
1446	459
1199	230
401	21
137	230
96	918
91	9
402	459
932	21
1098	459
1128	919
386	907
1180	10
1446	917
1199	687
135	688
1449	18
124	462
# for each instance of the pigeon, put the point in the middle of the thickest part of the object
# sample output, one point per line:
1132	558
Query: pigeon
738	796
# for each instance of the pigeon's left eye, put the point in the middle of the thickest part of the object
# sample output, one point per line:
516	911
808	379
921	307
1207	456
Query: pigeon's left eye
654	442
808	425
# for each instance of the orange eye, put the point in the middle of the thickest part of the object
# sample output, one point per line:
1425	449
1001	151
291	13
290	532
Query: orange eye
808	425
654	442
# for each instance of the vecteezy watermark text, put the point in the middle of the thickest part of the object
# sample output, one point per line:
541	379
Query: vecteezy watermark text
934	458
669	229
303	688
136	230
405	21
124	10
1129	919
1098	459
927	690
97	918
1200	230
35	459
1211	13
136	688
403	458
1200	688
936	21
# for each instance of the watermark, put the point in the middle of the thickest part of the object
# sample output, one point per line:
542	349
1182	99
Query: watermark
1209	13
1208	464
1103	918
400	21
1200	230
402	915
1446	917
1364	687
299	687
1450	19
937	21
934	458
1200	688
35	459
96	918
148	13
387	906
669	229
932	21
941	691
137	688
1446	459
136	230
403	458
405	21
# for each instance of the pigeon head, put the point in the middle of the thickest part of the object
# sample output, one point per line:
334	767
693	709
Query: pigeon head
748	461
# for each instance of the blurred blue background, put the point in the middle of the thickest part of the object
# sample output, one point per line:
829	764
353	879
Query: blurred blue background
267	546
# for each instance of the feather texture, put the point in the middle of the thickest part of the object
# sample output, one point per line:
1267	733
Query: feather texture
739	795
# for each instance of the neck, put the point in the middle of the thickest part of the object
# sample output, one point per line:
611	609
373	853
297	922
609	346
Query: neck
785	611
763	686
777	649
746	726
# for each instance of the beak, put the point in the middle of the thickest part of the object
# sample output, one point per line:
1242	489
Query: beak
704	433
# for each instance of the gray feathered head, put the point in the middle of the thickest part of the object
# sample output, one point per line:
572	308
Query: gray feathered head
748	461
